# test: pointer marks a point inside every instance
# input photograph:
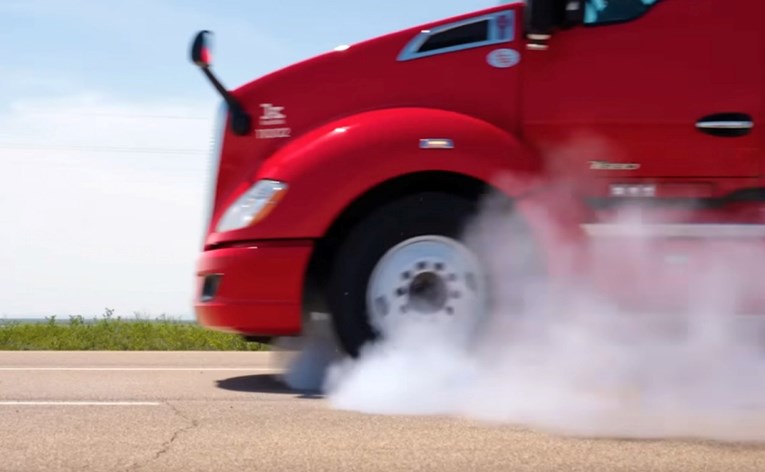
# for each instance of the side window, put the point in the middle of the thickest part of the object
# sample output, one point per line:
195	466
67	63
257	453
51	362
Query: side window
485	30
599	12
466	34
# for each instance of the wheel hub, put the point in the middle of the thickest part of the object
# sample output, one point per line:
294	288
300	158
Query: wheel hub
425	277
427	293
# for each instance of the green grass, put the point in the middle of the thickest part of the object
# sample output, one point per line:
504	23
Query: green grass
110	333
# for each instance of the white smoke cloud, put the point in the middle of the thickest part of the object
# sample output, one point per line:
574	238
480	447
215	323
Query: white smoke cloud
570	359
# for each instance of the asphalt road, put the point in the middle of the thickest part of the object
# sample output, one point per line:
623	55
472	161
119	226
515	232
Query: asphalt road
107	411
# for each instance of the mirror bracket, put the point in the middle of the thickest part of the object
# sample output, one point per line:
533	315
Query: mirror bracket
543	17
241	123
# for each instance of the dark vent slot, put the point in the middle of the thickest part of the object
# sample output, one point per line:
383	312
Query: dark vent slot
472	33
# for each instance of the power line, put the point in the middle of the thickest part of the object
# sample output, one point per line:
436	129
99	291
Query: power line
23	138
123	115
117	149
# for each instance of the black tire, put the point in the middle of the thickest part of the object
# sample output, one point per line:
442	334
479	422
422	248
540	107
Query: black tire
427	213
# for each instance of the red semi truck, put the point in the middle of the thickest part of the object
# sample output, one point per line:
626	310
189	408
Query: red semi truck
345	181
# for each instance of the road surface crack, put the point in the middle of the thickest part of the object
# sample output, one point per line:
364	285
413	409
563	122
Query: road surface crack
167	445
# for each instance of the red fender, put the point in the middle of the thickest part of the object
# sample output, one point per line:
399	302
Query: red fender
329	167
333	165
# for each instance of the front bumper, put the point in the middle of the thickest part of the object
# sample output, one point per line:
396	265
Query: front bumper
254	288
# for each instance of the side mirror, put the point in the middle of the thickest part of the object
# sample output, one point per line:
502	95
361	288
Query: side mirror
200	50
543	17
241	123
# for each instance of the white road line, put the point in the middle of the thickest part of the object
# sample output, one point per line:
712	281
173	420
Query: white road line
141	369
76	403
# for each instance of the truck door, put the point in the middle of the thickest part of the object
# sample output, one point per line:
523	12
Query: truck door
652	89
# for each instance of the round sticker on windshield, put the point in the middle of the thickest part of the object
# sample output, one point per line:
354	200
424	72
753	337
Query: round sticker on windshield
503	58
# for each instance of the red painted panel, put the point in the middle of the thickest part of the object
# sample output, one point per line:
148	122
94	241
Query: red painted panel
633	92
260	290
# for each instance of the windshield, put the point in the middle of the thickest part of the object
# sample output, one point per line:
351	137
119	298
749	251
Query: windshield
609	11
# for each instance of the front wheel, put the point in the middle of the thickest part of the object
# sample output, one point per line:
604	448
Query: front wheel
405	262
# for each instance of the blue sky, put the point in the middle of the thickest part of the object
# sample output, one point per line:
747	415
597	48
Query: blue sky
138	48
105	128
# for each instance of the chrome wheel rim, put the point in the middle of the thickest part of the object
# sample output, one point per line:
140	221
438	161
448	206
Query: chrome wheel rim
429	278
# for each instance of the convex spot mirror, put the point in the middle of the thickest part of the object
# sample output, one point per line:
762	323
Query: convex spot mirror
201	53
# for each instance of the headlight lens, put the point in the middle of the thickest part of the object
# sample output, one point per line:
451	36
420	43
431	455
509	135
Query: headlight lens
253	205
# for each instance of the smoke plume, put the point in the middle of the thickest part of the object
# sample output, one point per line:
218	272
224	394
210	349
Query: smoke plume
570	357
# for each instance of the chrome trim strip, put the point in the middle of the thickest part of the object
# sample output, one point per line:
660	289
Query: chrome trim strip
675	230
725	125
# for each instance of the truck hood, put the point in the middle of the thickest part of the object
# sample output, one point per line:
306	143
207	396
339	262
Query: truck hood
363	77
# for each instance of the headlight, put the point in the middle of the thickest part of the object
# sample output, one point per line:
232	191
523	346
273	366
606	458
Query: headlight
253	205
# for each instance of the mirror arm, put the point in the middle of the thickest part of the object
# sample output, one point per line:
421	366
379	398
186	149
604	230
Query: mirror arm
241	123
218	86
240	120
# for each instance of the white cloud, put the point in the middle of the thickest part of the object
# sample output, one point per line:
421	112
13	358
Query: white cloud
86	227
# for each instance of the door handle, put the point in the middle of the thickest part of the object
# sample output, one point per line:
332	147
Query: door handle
726	125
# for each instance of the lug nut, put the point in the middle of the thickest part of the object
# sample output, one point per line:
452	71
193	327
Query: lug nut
382	305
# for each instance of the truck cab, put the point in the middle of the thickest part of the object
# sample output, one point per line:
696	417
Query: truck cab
347	183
